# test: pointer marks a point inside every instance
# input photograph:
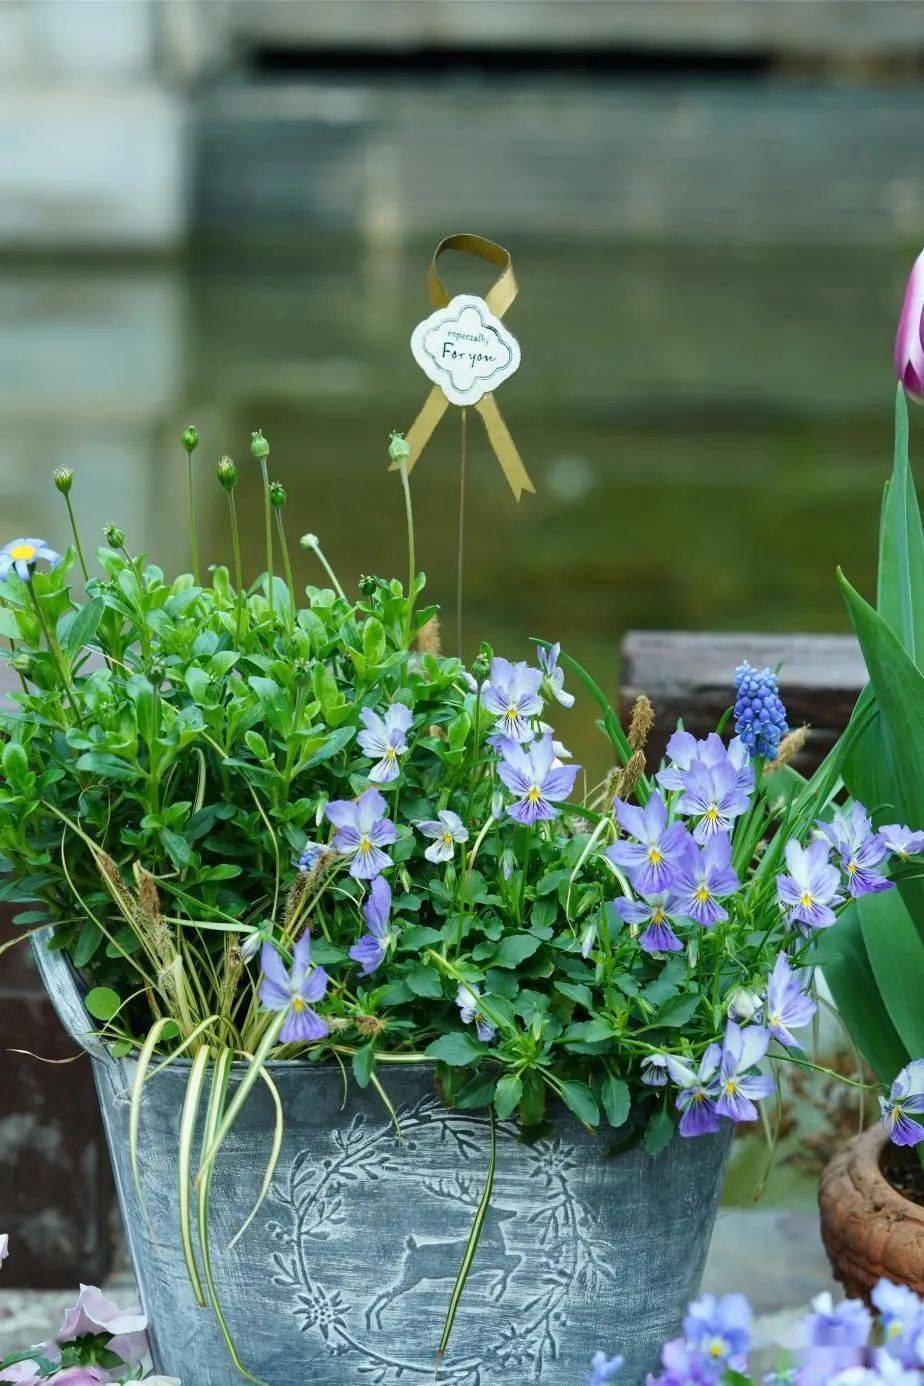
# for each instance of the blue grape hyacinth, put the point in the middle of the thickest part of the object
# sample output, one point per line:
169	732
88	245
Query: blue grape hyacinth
760	717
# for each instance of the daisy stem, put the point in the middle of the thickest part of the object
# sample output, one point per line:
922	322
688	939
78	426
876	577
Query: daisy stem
191	516
238	575
287	566
411	555
55	651
329	570
77	545
268	514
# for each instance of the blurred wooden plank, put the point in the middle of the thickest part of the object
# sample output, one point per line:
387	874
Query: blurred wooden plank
689	676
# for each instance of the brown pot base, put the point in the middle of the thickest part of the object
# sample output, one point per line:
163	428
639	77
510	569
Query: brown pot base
868	1228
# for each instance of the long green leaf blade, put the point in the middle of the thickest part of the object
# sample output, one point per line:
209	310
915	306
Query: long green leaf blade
842	956
471	1246
896	954
187	1135
243	1090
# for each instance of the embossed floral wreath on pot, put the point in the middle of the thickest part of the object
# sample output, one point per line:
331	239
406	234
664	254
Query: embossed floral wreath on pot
269	829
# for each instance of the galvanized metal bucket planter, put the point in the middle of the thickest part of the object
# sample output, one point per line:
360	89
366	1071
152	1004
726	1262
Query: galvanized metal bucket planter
345	1274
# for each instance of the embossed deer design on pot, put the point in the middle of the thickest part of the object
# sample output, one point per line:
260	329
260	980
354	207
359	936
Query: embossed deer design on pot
438	1260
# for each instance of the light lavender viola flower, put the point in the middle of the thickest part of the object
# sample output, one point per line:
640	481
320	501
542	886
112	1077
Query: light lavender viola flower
604	1369
385	738
698	1092
682	750
861	850
528	773
705	877
811	887
739	1088
655	913
467	999
654	1070
904	1103
446	829
512	694
788	1006
554	674
909	339
370	950
833	1325
282	990
720	1328
902	842
363	830
658	847
93	1314
901	1313
711	795
21	555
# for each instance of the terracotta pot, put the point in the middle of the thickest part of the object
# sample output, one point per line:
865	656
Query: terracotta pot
868	1228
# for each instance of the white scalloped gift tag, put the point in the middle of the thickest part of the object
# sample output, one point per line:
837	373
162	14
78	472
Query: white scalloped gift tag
465	350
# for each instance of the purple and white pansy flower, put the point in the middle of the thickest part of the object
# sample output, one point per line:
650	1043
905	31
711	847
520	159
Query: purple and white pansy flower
738	1087
554	674
468	999
529	772
712	796
446	829
362	831
810	889
512	695
657	848
698	1091
788	1006
294	990
704	878
385	740
902	842
904	1105
861	850
370	951
654	911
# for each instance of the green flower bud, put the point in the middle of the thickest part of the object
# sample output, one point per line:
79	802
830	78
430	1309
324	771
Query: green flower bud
115	537
277	495
22	663
63	479
190	439
309	541
398	448
227	473
367	585
259	446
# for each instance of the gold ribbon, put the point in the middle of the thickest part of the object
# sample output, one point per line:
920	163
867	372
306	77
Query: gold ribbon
498	298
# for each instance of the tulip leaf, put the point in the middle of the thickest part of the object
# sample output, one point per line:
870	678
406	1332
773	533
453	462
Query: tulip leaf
896	954
900	597
841	954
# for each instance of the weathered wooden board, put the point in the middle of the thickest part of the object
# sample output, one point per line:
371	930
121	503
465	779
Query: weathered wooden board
689	676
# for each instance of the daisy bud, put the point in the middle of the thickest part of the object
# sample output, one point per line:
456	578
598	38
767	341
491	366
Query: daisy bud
309	541
115	537
277	495
64	480
909	340
367	585
190	439
259	446
227	473
398	448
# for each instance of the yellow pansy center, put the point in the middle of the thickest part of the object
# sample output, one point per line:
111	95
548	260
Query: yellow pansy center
25	551
365	844
712	813
534	795
512	714
852	867
731	1087
447	839
717	1347
654	856
702	894
657	916
775	1019
298	1003
806	900
391	753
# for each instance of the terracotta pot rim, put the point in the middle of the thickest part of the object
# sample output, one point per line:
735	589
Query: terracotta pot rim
866	1155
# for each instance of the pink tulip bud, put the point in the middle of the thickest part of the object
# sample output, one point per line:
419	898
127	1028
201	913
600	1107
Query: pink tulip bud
909	340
